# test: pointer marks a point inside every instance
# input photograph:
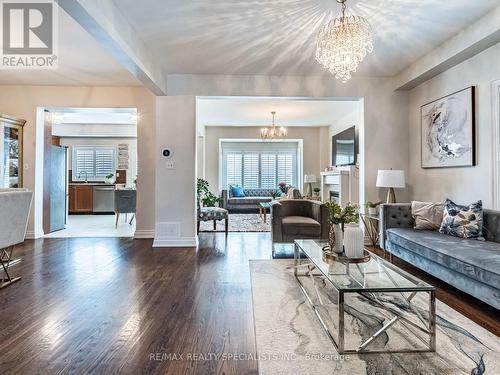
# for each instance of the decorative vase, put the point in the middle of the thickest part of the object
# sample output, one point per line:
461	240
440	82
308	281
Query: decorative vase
372	211
336	238
353	241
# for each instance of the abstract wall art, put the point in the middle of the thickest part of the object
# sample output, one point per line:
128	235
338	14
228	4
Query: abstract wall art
448	131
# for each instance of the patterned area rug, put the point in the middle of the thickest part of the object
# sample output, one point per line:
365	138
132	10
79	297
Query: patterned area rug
239	223
290	339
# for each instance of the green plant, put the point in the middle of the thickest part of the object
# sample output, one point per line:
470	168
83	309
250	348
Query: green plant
211	200
274	194
316	190
205	196
370	204
201	187
342	215
110	175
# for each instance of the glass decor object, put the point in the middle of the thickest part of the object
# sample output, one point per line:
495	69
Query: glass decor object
343	43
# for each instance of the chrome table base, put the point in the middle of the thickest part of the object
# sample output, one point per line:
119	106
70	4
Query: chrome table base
427	327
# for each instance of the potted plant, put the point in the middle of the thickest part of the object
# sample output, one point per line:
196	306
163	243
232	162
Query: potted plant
337	217
205	196
274	194
283	187
372	208
109	179
211	200
316	191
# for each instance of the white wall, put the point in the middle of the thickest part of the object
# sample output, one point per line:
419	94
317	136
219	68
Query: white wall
93	141
463	184
176	183
311	150
23	101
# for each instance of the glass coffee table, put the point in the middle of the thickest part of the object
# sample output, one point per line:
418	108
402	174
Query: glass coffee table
371	279
263	209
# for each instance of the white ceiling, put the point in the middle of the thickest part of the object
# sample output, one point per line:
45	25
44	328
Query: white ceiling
81	61
257	111
278	36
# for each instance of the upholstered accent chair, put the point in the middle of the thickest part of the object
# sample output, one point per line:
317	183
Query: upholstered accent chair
125	203
293	219
212	214
15	206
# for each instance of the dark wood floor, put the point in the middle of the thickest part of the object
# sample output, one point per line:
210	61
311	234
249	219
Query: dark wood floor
111	305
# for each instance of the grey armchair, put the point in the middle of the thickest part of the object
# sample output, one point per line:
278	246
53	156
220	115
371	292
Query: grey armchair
293	219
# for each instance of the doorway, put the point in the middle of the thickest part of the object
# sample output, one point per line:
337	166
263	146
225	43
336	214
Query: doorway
90	172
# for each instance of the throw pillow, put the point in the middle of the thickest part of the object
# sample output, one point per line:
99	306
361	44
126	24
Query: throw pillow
237	191
427	215
463	221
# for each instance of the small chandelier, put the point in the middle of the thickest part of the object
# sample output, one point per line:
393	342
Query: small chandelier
343	43
273	131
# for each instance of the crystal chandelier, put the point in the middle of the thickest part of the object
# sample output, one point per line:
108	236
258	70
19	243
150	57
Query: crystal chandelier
273	131
343	43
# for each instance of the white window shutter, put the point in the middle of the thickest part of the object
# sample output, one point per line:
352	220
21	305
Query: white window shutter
93	162
251	171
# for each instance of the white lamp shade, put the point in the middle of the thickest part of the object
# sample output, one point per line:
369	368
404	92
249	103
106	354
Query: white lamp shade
391	178
309	178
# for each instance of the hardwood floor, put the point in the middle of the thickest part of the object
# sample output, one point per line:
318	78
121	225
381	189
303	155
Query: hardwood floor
118	306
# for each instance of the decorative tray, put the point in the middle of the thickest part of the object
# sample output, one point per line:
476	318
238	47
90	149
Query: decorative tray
331	256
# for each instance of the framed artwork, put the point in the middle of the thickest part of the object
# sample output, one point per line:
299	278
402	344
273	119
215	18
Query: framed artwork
448	131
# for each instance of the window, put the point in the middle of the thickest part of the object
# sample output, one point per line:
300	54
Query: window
257	165
93	162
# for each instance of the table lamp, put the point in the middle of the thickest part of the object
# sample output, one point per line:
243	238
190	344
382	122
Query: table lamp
391	179
309	179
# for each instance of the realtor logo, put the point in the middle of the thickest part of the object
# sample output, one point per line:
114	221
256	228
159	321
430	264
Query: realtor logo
28	33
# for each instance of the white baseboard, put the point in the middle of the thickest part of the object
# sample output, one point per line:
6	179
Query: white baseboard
149	233
176	242
32	235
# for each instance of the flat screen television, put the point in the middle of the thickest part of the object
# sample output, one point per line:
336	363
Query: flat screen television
344	147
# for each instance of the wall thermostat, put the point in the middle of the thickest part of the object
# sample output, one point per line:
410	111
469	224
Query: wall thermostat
167	153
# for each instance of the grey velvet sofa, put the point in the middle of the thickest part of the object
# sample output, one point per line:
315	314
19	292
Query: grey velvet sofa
293	219
469	265
249	203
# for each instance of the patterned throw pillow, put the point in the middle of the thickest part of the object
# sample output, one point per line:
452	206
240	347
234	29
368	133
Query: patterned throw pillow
463	221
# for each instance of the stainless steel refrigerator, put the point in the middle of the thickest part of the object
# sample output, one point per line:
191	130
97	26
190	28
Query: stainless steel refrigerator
58	187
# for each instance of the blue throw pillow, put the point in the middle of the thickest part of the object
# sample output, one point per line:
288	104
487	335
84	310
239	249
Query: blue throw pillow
237	191
463	221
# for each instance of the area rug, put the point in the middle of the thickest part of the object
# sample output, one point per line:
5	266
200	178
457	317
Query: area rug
238	223
290	339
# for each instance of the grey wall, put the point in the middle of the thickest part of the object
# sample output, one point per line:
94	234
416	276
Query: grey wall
462	184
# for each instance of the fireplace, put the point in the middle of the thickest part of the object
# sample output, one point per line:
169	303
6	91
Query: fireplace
334	196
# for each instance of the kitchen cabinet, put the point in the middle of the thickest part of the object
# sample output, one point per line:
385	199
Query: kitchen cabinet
81	198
